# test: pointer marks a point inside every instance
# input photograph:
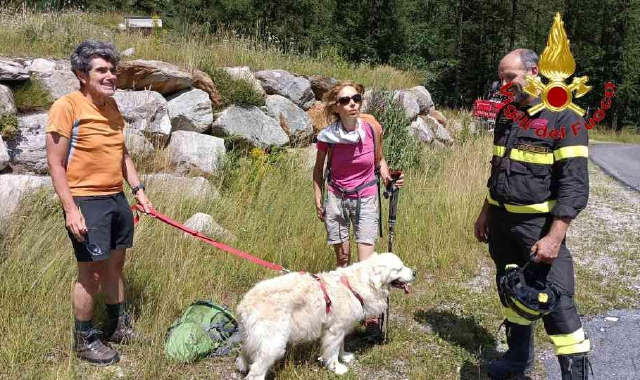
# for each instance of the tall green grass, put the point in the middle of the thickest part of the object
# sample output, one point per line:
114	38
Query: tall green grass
56	34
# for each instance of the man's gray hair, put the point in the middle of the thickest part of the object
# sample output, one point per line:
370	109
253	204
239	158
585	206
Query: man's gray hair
87	50
529	58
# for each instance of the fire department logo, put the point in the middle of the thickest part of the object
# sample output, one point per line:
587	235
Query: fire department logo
557	64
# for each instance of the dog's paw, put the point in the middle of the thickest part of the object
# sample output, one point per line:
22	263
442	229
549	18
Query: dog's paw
338	368
347	357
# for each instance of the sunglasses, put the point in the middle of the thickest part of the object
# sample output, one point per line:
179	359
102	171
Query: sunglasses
357	98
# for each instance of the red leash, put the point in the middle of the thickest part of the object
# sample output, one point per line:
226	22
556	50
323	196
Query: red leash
163	218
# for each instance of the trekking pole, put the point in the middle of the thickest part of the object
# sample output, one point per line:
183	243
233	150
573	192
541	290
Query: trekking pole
392	193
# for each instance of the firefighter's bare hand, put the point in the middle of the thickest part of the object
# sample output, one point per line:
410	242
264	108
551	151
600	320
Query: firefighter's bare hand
481	228
76	224
546	249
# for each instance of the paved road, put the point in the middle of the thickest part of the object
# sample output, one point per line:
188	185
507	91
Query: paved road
621	161
614	343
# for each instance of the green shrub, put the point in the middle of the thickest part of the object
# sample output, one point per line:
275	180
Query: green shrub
400	149
32	96
8	126
233	91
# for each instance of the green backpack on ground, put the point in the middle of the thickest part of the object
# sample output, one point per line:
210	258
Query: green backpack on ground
203	329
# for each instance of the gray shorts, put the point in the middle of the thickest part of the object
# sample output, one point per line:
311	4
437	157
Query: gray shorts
339	213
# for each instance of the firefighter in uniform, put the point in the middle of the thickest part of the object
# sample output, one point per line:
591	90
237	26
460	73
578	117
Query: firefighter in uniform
539	182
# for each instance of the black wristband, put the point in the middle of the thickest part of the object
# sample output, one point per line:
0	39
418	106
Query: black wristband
135	189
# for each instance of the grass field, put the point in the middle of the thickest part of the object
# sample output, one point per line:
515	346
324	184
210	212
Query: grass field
56	34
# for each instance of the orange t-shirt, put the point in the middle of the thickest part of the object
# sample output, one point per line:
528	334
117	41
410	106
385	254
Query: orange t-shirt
96	143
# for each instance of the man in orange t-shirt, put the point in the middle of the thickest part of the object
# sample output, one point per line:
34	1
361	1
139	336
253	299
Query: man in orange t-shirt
88	162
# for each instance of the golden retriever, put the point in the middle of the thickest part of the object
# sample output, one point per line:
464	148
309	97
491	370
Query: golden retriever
293	308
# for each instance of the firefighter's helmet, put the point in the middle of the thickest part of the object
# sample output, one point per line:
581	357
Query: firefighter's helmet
528	296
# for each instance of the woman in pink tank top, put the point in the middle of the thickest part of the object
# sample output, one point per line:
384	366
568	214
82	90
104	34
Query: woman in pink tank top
350	142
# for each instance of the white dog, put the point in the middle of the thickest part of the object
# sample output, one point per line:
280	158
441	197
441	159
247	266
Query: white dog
297	307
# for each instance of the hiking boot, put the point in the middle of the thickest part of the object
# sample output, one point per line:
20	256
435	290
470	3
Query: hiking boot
90	348
120	330
574	366
518	359
373	331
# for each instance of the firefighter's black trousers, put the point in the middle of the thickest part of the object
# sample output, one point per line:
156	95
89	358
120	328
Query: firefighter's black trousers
511	237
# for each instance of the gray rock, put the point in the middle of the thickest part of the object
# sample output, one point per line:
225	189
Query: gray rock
283	83
27	149
190	110
192	187
41	65
245	73
56	76
250	125
205	224
128	52
443	135
7	105
321	84
12	70
191	150
366	101
136	142
159	76
4	155
421	130
14	187
293	120
409	103
423	97
145	111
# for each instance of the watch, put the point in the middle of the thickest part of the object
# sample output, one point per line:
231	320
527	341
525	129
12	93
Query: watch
135	189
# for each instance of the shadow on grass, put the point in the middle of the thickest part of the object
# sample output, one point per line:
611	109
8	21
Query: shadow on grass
465	333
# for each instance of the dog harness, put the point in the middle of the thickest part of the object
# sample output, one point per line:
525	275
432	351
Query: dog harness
327	300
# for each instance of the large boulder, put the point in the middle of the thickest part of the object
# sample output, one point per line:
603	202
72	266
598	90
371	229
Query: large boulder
56	76
4	155
136	142
158	76
293	120
280	82
192	187
440	131
409	103
321	84
7	105
145	111
11	70
251	126
205	224
245	73
423	97
421	130
28	149
14	187
191	150
202	81
190	110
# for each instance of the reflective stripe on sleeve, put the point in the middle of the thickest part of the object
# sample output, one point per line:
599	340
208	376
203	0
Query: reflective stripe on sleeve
524	156
570	152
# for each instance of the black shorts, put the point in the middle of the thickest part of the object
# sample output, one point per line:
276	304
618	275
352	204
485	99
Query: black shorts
109	223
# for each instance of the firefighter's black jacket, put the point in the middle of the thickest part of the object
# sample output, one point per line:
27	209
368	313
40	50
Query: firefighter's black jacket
535	172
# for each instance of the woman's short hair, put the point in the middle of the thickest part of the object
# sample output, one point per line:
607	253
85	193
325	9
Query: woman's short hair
88	50
330	98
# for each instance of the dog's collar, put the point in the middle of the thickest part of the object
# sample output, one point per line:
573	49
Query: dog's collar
327	300
345	281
